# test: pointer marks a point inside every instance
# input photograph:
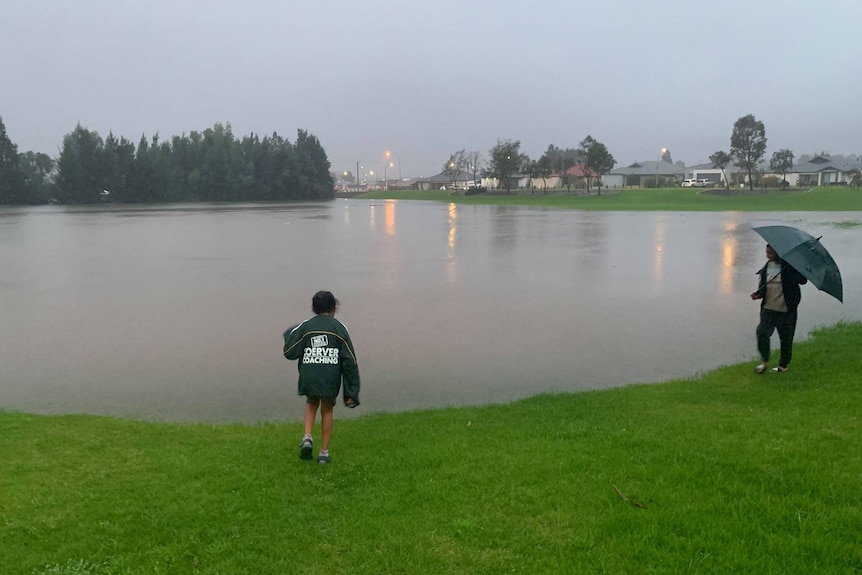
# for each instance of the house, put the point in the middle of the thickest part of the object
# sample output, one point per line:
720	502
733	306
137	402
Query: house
645	174
557	180
823	170
444	180
709	172
820	170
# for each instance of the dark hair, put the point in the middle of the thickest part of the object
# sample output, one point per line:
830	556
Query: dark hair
323	302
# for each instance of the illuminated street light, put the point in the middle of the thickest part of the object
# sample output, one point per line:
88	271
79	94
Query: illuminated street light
388	155
385	177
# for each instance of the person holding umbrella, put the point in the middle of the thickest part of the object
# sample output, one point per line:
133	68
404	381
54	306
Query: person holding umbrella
794	257
779	295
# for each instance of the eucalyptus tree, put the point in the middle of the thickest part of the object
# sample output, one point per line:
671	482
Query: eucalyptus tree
595	160
506	159
581	159
781	162
748	145
721	160
475	164
599	162
544	168
455	166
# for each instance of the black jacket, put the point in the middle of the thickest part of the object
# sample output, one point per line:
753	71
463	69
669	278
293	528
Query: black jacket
790	282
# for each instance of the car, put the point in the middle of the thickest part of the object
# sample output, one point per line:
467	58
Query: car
699	183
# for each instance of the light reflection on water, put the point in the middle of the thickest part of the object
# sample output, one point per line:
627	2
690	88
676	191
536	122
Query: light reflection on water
176	312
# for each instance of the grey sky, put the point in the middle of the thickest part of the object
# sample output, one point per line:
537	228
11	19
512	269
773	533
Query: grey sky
424	79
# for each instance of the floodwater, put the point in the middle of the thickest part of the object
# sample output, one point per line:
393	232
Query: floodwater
177	312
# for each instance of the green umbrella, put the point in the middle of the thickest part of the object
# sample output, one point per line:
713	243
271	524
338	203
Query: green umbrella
805	253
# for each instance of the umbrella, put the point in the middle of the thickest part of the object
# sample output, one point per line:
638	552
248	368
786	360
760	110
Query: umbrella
805	253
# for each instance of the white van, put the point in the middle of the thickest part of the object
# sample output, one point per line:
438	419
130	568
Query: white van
689	183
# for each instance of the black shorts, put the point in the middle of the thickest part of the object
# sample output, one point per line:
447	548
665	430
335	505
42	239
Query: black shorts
315	398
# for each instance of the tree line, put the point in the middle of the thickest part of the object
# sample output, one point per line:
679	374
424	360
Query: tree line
506	161
208	166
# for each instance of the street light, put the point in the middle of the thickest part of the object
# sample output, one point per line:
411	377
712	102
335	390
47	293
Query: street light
385	177
657	164
388	155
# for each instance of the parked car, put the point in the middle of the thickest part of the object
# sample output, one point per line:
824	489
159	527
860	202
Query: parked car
699	183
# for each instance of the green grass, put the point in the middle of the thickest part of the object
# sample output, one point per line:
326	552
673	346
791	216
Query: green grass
668	199
730	472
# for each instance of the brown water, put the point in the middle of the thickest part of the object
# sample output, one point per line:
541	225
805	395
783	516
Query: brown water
176	312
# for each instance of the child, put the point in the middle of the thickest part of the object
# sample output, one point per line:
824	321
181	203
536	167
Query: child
325	353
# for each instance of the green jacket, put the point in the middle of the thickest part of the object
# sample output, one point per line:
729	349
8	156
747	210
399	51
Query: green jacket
326	358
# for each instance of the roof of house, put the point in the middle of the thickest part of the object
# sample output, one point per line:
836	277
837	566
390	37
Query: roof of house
650	168
820	163
728	169
444	178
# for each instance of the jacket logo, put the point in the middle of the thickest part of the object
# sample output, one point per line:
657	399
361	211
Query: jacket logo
319	341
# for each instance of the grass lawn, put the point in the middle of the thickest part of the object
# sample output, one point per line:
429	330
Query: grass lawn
835	199
730	472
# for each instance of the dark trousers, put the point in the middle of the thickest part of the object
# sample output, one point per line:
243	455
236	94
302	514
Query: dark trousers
785	323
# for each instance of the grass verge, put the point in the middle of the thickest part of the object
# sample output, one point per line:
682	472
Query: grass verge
831	199
730	472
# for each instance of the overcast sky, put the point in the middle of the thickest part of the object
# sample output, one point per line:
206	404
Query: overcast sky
426	78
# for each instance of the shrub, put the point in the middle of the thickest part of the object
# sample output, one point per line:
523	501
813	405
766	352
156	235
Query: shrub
770	182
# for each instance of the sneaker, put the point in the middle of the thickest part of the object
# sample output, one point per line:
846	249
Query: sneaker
306	447
761	368
779	369
323	457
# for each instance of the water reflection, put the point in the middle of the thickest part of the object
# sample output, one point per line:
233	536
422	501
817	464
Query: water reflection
659	253
452	260
389	217
728	261
177	314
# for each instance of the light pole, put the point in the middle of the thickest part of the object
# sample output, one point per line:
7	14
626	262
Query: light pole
660	156
357	176
388	155
385	177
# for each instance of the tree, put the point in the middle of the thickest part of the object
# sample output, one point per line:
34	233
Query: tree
599	162
781	161
544	168
531	169
855	178
80	171
595	160
314	164
720	160
505	161
475	163
748	145
455	166
37	170
11	178
581	159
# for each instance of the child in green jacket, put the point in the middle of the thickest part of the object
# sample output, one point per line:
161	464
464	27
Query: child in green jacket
326	359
